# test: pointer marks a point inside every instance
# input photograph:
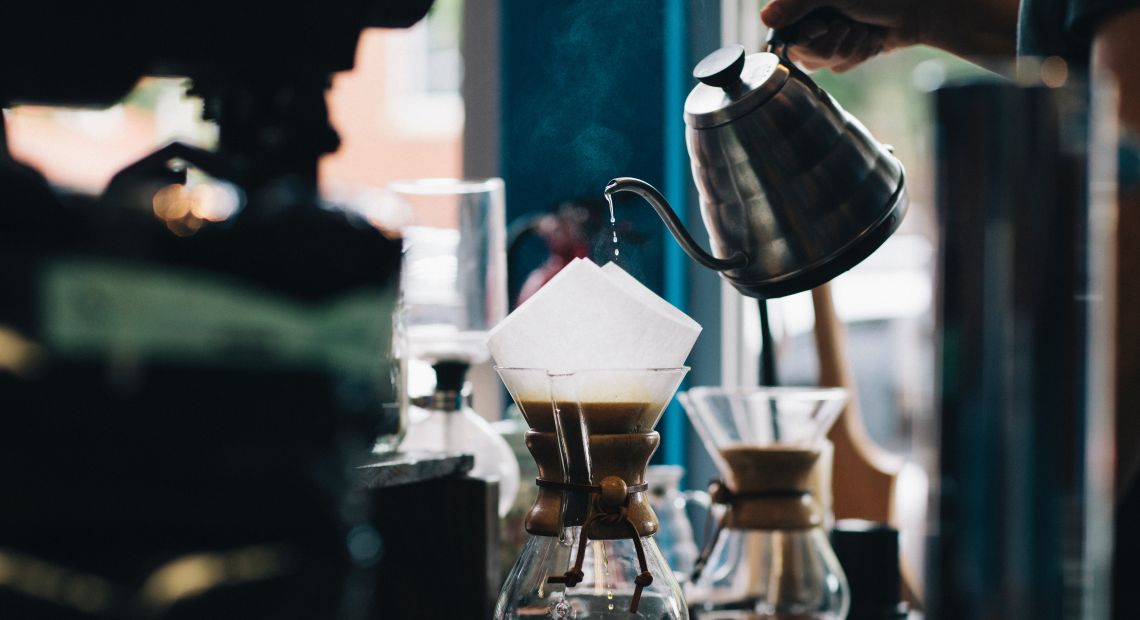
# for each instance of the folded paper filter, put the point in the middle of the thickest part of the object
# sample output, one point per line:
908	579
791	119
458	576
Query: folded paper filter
586	321
593	318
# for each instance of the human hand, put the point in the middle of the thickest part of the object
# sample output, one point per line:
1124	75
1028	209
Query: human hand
845	33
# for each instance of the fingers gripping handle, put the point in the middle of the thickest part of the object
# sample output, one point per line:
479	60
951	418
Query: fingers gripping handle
780	39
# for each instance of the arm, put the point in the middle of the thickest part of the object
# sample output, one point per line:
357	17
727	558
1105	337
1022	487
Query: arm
1116	48
963	27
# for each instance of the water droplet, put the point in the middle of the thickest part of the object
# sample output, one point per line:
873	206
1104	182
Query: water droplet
613	223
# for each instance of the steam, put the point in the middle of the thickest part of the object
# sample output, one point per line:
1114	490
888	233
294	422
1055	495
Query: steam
589	74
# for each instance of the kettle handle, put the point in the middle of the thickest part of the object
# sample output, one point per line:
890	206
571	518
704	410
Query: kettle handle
673	223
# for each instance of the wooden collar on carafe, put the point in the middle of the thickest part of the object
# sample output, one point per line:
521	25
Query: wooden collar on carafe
623	457
771	488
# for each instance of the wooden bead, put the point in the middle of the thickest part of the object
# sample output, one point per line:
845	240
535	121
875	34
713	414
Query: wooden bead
614	491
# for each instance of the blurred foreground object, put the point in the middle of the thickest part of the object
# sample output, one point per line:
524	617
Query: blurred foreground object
202	350
1023	526
869	553
71	52
433	514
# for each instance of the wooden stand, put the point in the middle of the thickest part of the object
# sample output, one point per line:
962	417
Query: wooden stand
864	474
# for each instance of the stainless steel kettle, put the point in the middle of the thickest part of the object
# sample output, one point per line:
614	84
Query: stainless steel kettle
794	190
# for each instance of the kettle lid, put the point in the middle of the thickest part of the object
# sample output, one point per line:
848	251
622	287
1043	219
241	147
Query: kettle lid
732	85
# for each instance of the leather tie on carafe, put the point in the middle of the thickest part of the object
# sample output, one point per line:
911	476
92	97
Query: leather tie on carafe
610	505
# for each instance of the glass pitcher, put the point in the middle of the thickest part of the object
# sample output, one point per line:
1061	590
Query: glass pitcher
770	557
591	551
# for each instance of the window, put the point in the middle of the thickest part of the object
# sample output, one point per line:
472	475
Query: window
82	149
399	113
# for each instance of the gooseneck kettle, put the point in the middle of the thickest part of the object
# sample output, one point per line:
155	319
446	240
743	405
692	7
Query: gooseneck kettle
793	189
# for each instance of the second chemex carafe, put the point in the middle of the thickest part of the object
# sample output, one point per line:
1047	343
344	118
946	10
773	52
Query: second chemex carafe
794	190
591	552
770	557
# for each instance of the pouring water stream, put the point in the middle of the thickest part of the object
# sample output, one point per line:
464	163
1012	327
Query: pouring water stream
613	221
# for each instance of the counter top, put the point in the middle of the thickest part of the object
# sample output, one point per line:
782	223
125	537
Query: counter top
400	468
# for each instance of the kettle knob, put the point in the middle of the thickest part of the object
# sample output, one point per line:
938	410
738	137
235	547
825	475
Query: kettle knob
721	68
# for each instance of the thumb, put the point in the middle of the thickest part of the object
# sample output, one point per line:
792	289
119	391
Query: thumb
780	13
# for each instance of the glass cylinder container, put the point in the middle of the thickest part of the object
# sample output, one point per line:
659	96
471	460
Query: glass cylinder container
453	284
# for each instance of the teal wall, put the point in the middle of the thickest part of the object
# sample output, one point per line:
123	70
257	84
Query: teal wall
581	104
592	90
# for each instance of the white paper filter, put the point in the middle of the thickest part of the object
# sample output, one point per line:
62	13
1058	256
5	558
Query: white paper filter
593	318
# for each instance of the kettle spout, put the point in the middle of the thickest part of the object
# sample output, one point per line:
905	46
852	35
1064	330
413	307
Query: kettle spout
673	223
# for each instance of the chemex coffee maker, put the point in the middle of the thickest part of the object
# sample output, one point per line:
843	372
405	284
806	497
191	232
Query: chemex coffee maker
592	360
591	551
769	556
794	190
183	406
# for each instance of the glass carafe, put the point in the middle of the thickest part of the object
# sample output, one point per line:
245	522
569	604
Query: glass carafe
770	558
670	503
591	551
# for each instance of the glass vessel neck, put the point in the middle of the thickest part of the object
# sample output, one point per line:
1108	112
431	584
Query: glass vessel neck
447	401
